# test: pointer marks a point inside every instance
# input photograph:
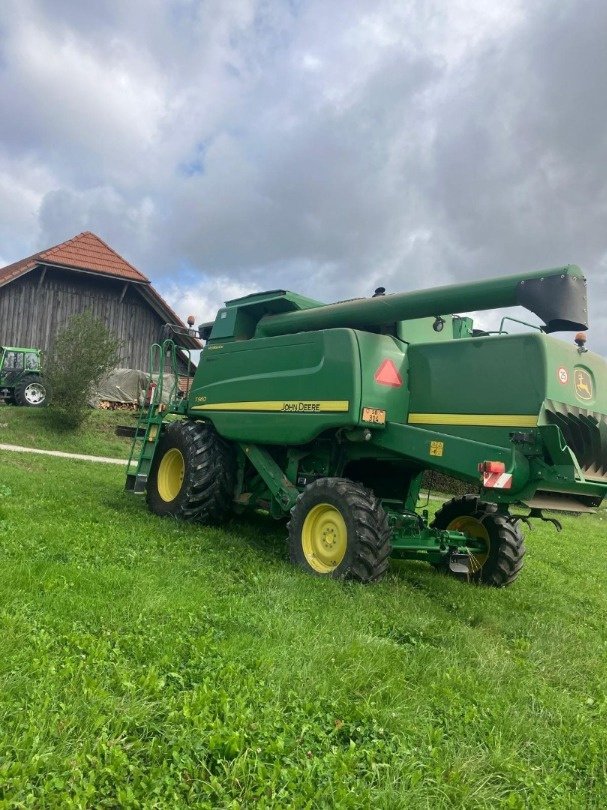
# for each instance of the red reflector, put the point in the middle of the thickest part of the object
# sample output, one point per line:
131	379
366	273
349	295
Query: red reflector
497	480
494	475
492	467
387	374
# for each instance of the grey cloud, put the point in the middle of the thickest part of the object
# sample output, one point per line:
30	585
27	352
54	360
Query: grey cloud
323	146
520	173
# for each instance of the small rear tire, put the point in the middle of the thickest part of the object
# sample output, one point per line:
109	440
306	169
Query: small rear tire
192	475
339	529
501	560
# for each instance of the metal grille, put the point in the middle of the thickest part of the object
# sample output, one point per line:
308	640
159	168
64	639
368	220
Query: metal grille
586	435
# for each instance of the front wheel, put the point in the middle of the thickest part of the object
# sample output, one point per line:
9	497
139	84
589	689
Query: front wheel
497	544
32	391
192	475
339	529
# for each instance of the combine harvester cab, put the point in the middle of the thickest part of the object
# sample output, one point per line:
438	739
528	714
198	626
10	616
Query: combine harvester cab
331	414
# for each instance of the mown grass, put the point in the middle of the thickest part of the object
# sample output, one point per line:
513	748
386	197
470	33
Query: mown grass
36	427
145	662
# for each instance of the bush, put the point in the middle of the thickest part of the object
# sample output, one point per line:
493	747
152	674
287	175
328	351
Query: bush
84	351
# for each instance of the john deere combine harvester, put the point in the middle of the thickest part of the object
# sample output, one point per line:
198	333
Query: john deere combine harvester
331	414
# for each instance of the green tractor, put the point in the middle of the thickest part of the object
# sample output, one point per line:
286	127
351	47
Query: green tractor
329	416
21	380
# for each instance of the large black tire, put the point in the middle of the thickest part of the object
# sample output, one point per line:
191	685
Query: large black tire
32	391
339	529
193	473
505	544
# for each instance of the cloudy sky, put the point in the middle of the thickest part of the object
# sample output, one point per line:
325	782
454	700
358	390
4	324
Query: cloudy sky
329	146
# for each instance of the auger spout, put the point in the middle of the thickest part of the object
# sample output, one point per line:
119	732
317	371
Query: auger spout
557	296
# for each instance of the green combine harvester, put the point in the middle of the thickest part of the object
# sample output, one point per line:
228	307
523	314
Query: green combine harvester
330	415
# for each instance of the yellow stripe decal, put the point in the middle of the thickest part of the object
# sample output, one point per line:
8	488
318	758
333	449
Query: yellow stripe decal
473	419
280	406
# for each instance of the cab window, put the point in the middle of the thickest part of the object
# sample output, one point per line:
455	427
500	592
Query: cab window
13	361
32	361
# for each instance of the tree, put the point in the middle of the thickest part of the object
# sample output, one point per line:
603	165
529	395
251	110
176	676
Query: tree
84	351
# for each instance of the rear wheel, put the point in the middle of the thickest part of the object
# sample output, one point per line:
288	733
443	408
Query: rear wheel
339	529
192	476
497	544
32	391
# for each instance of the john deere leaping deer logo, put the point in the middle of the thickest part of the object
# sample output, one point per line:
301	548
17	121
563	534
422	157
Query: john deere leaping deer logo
583	384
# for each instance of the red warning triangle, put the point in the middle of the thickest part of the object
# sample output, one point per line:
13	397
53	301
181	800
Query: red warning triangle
387	374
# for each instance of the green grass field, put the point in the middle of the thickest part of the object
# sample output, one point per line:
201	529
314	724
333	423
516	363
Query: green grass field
145	662
34	427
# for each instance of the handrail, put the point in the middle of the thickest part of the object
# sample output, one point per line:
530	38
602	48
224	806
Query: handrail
517	320
158	356
151	413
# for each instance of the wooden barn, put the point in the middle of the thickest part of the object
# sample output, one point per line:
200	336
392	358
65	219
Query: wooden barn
40	293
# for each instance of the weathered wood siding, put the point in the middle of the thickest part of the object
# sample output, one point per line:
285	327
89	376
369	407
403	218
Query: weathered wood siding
33	309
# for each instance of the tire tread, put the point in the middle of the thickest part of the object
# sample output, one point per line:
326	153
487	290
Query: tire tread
209	481
372	546
505	535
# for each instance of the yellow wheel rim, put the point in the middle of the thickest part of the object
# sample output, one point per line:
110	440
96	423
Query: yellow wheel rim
472	527
170	475
324	538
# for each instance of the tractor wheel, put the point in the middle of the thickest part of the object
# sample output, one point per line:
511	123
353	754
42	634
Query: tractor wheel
192	475
501	560
339	529
32	391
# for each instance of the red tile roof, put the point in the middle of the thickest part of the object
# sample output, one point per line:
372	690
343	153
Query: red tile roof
84	252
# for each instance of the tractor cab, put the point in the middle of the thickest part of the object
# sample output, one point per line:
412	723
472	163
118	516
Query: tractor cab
21	381
16	360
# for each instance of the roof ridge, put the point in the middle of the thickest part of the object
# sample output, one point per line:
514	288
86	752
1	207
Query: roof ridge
87	252
105	244
49	252
44	254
